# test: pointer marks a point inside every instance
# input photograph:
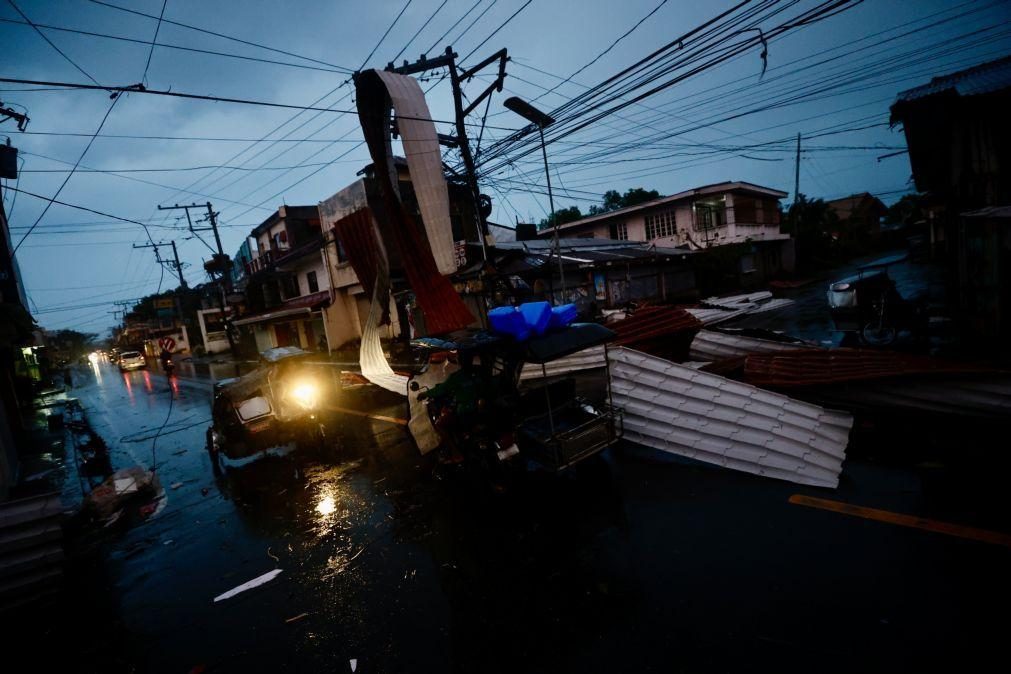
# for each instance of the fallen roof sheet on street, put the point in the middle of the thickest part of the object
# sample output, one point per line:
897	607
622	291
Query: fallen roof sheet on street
717	420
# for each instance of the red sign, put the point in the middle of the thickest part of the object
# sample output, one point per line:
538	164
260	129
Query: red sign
167	344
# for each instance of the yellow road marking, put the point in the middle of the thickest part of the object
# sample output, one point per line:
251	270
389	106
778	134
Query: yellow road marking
902	520
377	417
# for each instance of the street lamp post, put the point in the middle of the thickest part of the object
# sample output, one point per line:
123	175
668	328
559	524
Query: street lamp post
542	120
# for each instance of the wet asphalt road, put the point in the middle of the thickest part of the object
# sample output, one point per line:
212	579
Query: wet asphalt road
633	562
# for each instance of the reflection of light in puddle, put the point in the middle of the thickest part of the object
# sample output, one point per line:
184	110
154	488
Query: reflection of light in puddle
129	386
98	372
326	506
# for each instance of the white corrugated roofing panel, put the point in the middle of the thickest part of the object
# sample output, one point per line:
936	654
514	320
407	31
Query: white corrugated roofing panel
586	359
710	418
712	345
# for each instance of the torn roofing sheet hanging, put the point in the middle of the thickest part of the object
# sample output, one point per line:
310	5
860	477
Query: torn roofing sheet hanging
365	251
443	309
424	160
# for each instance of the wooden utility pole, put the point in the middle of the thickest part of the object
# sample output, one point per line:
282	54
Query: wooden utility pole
179	267
174	263
796	188
219	263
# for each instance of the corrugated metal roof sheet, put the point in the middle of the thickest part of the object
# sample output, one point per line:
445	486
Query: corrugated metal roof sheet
981	79
663	330
587	359
813	367
710	418
712	345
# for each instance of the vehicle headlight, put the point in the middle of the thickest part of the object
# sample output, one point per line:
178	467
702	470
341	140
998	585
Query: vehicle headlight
840	287
305	394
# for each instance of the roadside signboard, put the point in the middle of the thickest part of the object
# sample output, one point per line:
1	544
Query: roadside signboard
167	344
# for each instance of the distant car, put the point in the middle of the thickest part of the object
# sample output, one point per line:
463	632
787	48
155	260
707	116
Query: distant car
132	360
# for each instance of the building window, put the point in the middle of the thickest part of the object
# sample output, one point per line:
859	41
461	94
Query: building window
289	287
310	278
745	210
619	231
659	225
710	214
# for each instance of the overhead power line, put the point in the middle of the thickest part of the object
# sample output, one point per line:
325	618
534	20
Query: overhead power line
154	41
223	36
168	45
495	32
135	89
81	208
51	43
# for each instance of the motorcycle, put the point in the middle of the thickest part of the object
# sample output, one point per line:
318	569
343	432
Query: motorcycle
868	305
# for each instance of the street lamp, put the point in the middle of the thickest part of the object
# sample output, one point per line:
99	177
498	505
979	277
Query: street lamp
541	120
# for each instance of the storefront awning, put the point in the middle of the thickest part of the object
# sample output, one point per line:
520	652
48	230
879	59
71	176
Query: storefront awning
300	306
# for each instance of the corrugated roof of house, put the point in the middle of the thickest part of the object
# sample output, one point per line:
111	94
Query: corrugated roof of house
984	78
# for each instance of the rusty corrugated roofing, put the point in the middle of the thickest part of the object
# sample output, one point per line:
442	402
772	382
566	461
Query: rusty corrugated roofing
812	367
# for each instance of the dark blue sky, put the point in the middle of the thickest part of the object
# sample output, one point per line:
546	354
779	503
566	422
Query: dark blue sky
76	258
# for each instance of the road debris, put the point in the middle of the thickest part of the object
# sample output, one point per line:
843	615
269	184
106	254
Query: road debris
120	487
249	585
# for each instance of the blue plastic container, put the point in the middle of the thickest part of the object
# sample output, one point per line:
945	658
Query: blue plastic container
508	321
562	316
537	316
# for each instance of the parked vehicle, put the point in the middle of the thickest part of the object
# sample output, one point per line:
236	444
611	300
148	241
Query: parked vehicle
132	360
481	414
277	403
868	305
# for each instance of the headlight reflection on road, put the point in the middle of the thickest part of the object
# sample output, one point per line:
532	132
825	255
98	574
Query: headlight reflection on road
326	506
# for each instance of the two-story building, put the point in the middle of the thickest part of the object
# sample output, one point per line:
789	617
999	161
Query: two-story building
702	219
287	284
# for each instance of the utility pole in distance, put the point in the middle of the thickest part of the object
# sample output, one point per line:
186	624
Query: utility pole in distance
219	263
796	188
175	264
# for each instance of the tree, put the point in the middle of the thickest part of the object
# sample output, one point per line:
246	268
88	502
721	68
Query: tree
907	210
563	216
72	342
613	200
811	223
